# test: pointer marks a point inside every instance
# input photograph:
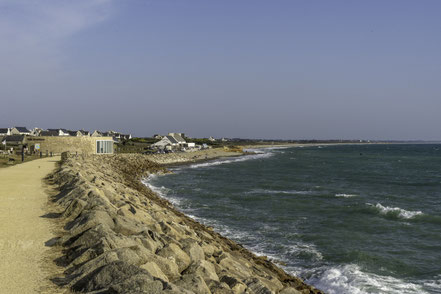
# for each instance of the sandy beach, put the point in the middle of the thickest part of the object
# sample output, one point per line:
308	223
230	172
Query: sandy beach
25	261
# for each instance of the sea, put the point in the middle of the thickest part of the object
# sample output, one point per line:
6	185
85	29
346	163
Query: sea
345	218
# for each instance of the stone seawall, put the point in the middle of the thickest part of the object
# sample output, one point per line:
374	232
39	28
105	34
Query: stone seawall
120	237
187	157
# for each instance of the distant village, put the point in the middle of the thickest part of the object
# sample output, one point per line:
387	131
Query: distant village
20	132
21	140
37	140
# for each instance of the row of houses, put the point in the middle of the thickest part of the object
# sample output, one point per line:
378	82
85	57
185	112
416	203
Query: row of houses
62	132
14	131
37	140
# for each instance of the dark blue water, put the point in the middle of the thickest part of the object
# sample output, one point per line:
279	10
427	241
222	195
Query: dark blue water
347	219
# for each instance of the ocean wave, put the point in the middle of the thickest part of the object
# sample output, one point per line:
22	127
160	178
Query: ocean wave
433	285
255	150
225	161
300	249
350	279
347	279
395	211
345	195
260	245
290	192
277	148
161	191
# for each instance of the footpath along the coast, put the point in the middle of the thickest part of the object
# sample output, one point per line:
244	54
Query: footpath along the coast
25	261
90	225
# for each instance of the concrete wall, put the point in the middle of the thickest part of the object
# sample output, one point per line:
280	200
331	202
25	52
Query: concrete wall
57	145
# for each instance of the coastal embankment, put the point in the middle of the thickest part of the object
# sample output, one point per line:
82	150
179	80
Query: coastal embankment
188	157
120	237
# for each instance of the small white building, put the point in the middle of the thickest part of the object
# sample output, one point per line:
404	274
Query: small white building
177	137
174	141
97	133
61	132
83	133
165	142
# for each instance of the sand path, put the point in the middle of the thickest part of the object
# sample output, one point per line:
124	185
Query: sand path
25	262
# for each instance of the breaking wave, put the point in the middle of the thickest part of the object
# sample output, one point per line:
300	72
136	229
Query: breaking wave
290	192
345	195
225	161
395	211
161	191
350	279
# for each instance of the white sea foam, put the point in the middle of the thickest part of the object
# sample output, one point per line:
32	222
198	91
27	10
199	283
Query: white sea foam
303	248
433	285
225	161
161	191
345	195
395	211
350	279
269	191
276	148
258	151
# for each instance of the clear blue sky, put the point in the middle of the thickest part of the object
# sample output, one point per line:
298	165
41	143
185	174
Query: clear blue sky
229	68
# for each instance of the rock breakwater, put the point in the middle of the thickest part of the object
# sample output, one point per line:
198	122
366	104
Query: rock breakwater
186	157
120	237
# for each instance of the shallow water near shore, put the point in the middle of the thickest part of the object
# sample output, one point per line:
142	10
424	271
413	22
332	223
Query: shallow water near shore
346	219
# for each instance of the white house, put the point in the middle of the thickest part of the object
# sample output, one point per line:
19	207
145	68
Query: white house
97	133
177	137
173	141
20	131
212	139
61	132
82	133
166	141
